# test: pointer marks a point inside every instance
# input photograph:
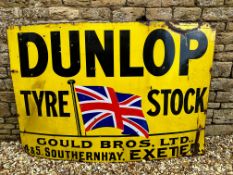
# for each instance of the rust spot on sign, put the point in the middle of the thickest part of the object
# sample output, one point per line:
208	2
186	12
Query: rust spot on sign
179	30
195	147
143	19
14	71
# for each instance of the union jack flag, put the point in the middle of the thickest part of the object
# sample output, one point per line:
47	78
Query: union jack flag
103	107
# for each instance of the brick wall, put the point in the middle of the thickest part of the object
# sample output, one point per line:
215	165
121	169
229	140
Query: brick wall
219	13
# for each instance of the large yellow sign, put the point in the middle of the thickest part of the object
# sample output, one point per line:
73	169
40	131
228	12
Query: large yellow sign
111	91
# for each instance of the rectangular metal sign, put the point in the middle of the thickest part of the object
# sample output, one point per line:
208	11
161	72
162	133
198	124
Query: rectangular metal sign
111	92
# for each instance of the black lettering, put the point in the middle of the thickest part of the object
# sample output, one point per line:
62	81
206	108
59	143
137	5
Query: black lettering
47	152
149	154
105	144
25	94
118	144
161	152
67	154
148	52
125	69
105	56
184	149
134	154
112	156
60	154
131	143
23	39
104	155
81	156
97	156
176	93
162	142
166	92
74	54
64	143
186	53
144	143
184	139
74	155
73	144
54	153
38	101
174	150
63	103
51	100
173	140
86	144
154	102
52	142
88	155
41	141
199	99
186	100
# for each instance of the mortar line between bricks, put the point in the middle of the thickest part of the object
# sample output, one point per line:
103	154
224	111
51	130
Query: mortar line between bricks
227	51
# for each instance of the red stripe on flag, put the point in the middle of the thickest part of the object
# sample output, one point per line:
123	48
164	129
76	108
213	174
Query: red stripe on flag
116	108
97	120
144	132
131	111
129	100
96	106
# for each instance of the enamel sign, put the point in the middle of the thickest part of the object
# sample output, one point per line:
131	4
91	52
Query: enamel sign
111	92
